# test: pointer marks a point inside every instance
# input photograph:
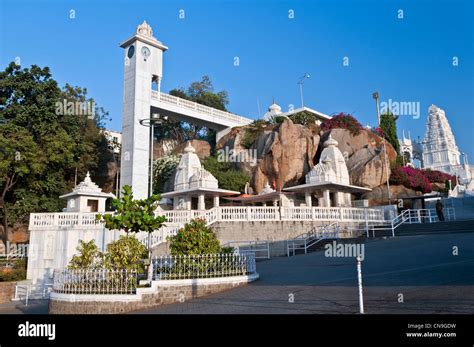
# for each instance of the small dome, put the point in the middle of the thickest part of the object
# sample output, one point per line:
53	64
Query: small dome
330	142
267	190
275	108
189	148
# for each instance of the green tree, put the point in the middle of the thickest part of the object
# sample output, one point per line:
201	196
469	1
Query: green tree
194	238
19	157
388	123
133	215
203	93
60	141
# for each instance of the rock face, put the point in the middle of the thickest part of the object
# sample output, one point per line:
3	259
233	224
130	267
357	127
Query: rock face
379	195
285	154
203	148
364	156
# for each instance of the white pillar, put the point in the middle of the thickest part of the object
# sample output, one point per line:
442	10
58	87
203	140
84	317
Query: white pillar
321	201
307	198
348	199
327	198
216	201
201	203
188	202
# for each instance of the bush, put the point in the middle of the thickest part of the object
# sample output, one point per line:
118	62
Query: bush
163	167
194	238
435	176
252	132
15	273
304	118
127	253
89	257
342	121
411	178
227	177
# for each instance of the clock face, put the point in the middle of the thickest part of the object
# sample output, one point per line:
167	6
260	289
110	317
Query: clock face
146	52
131	52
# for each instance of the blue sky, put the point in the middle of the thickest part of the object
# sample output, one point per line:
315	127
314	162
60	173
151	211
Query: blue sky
409	59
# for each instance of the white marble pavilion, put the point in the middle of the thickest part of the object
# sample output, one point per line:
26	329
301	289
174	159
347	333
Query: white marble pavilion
86	197
328	181
194	186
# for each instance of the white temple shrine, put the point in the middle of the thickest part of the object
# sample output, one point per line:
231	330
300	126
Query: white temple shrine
328	181
86	197
194	186
438	150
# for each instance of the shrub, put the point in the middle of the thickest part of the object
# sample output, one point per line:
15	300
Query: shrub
15	273
127	253
411	178
342	121
89	257
304	118
162	169
227	177
378	131
435	176
194	238
252	132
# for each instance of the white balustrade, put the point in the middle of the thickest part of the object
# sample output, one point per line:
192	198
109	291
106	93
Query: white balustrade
190	105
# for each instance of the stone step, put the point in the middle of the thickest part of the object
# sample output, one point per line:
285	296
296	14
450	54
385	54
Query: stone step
429	228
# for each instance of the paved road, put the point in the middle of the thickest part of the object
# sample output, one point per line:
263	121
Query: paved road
421	268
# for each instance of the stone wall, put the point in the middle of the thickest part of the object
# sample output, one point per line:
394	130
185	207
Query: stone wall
161	293
7	291
276	232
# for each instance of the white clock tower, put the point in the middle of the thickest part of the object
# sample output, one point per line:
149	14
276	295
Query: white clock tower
143	68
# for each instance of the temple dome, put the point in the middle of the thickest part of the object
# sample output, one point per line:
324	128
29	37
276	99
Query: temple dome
331	167
273	110
190	174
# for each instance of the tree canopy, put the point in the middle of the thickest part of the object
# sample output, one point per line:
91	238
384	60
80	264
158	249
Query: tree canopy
42	144
203	93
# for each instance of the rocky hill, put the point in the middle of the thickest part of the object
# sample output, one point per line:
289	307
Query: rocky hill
286	152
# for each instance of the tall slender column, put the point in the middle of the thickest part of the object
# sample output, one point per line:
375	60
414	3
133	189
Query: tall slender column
201	203
307	198
327	198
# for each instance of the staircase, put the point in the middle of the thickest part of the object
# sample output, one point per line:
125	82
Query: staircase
436	228
314	239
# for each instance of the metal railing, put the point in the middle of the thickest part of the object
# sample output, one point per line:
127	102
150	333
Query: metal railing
100	281
260	249
305	241
19	252
174	267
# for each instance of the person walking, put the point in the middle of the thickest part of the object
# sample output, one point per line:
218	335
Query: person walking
439	210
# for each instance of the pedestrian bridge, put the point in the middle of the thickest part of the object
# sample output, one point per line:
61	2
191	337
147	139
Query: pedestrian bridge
189	111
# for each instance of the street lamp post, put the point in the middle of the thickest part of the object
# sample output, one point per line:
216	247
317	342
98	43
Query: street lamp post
151	122
306	75
375	95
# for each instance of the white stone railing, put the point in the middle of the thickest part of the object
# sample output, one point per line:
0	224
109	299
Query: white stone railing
64	219
176	218
194	106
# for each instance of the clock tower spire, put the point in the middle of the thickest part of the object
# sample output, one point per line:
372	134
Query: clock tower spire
143	66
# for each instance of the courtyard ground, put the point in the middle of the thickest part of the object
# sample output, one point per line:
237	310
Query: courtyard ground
421	270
